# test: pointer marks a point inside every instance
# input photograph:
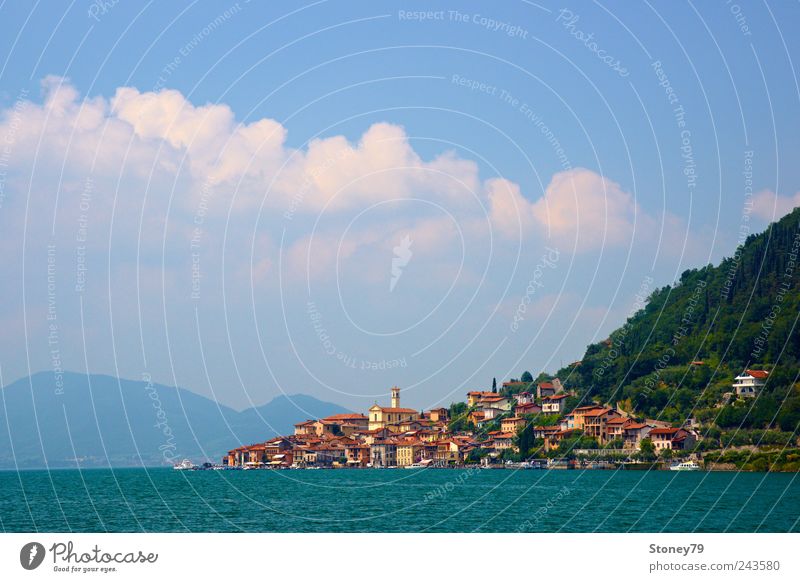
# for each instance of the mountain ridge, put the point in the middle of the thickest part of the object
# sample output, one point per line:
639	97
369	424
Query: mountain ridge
131	422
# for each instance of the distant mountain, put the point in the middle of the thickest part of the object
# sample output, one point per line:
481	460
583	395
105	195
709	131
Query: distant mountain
101	420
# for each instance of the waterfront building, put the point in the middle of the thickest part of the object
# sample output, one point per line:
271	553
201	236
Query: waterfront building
676	439
633	434
357	454
409	451
383	453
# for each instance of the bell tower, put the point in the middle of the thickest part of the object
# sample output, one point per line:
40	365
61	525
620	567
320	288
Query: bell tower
395	397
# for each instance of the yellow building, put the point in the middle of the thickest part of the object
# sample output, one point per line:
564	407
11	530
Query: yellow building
409	452
383	417
512	424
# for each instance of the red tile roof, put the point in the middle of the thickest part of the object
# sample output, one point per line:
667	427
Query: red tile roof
345	416
758	373
599	412
664	431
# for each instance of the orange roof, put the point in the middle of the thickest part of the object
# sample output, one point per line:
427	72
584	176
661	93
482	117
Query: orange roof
546	385
758	373
555	397
399	410
618	420
599	412
553	428
635	426
346	416
664	431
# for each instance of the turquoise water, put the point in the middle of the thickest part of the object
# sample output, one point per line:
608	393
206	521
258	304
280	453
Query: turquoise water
443	500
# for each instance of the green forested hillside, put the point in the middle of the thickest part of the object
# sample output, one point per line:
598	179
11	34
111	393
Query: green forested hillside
742	313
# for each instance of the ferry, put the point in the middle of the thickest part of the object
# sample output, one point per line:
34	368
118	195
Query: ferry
184	465
685	466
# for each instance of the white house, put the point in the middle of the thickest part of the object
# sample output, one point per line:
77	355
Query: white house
749	382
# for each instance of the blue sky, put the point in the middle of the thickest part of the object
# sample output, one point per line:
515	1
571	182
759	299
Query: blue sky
558	157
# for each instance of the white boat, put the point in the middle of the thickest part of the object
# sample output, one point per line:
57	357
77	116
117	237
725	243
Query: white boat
421	465
685	466
184	465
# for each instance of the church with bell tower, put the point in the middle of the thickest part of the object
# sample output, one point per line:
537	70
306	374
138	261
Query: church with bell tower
387	417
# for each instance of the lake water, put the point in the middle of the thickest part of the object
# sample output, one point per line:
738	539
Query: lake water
443	500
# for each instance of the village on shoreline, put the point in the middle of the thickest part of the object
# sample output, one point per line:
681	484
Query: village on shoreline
523	425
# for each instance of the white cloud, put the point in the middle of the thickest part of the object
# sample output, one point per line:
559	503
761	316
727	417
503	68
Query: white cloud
584	209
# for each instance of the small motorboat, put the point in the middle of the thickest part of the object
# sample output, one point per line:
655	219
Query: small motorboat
420	465
184	465
685	466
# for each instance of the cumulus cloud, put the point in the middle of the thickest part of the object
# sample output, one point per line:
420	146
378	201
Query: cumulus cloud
583	209
772	206
161	147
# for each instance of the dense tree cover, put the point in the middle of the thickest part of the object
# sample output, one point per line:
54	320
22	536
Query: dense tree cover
525	440
677	355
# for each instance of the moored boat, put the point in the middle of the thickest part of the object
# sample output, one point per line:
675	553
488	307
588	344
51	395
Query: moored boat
184	465
685	466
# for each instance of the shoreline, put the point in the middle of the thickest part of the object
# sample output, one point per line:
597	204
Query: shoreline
629	467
